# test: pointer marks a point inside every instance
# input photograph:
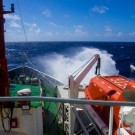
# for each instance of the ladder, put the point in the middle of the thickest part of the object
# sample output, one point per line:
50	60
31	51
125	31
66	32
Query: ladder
91	128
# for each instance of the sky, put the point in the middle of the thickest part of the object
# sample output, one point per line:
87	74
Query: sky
70	20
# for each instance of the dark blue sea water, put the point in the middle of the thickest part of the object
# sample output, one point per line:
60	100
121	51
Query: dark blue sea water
62	58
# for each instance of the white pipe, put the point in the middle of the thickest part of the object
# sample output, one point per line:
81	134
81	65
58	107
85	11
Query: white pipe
111	120
66	100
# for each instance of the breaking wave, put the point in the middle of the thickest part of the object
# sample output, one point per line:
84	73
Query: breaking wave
61	66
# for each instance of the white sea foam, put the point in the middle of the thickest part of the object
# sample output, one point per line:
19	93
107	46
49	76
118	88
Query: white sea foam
59	66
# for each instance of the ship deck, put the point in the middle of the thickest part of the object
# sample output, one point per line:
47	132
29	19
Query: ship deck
35	91
63	92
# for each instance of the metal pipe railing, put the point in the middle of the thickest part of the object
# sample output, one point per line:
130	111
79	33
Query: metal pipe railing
73	101
65	100
111	121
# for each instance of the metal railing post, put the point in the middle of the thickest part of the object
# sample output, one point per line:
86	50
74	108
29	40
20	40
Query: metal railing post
111	120
71	114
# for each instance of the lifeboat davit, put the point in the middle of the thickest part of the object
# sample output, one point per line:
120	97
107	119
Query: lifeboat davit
113	88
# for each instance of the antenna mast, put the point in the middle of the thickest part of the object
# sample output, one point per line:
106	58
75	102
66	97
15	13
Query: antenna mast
4	83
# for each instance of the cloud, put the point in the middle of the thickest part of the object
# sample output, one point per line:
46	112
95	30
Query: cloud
47	13
48	34
13	20
53	24
30	24
67	33
132	34
12	17
8	30
79	30
14	25
33	27
34	30
108	28
120	34
100	9
38	31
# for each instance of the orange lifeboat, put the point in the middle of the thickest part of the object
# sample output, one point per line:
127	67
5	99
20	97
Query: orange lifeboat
110	88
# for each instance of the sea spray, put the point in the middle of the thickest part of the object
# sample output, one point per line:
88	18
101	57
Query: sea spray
60	66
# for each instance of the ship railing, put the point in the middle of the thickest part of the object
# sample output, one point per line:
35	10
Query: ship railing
73	101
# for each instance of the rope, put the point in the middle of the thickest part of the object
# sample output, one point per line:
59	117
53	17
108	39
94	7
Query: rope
27	42
9	114
36	68
25	35
29	60
22	22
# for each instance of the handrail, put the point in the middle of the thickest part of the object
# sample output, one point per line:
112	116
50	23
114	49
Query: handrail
73	101
65	100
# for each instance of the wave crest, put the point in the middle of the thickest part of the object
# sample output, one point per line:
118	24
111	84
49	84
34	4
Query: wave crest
60	66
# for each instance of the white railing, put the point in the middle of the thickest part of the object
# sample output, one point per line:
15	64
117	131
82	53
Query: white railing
73	101
66	100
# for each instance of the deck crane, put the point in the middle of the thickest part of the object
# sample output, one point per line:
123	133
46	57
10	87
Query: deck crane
74	84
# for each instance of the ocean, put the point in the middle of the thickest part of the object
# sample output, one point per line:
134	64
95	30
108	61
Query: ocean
59	59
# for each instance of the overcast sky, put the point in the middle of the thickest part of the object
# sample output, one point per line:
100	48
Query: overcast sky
71	20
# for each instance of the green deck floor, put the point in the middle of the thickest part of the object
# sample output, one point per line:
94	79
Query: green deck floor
35	91
50	108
